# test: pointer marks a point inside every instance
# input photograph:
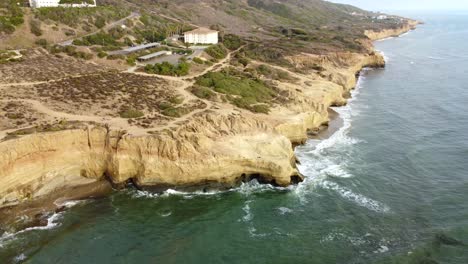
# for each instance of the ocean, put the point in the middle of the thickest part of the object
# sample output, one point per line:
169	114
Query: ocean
389	186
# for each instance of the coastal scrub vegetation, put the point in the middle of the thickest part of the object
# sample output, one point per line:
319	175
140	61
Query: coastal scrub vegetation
244	92
217	51
11	16
274	74
72	17
130	113
166	68
232	42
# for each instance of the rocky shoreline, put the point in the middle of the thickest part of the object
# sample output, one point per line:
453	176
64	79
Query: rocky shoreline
39	171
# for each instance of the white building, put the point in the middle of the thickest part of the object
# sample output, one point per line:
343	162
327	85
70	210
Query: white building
56	3
201	36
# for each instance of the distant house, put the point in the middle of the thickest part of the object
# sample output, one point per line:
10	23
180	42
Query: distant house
64	3
201	36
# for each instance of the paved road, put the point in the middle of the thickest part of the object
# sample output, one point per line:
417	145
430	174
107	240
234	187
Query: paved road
117	23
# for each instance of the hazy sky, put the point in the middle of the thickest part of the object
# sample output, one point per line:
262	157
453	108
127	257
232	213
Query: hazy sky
377	5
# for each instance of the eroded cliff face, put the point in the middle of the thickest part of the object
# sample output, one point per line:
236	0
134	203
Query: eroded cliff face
211	149
377	35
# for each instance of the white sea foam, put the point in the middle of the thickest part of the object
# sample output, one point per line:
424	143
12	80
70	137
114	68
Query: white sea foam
379	40
404	34
19	258
284	210
382	249
248	216
52	222
359	199
386	58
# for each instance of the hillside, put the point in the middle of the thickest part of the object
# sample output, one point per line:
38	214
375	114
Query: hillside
307	24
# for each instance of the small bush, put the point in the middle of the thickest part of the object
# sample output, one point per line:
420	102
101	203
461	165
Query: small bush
232	42
203	92
265	109
198	60
166	68
176	100
41	42
217	51
101	54
175	112
36	27
131	113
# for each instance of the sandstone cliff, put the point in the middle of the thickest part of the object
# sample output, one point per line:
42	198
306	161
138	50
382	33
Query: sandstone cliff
377	35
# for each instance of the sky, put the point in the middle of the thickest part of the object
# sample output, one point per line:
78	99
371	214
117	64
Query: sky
383	5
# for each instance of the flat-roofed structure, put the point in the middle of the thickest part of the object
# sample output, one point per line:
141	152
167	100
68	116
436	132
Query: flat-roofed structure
135	49
154	55
201	36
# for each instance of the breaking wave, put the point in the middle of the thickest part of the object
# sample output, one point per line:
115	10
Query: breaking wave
53	221
323	161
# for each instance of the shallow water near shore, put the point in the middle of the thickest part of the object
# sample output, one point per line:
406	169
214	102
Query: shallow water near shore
389	186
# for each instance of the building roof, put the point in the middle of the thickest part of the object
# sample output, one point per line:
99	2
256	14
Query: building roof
140	47
154	55
201	30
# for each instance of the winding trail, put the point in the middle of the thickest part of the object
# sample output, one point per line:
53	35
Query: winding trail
181	84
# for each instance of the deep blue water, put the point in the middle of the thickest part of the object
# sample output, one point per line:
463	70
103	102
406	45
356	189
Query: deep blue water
390	187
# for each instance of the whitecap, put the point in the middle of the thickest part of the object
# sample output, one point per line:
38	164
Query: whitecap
359	199
253	232
19	258
248	216
284	210
52	222
381	249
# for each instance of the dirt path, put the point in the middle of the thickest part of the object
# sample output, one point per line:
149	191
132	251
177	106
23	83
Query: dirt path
181	84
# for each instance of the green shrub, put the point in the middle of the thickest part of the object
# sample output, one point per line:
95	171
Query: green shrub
165	68
177	100
262	108
11	16
101	54
36	27
175	112
41	42
74	16
100	22
244	61
99	38
217	51
131	61
164	105
198	60
232	42
115	57
131	113
203	92
242	91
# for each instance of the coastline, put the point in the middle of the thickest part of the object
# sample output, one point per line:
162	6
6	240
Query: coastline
97	187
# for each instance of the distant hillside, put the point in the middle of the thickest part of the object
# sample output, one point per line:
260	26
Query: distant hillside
272	29
315	24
